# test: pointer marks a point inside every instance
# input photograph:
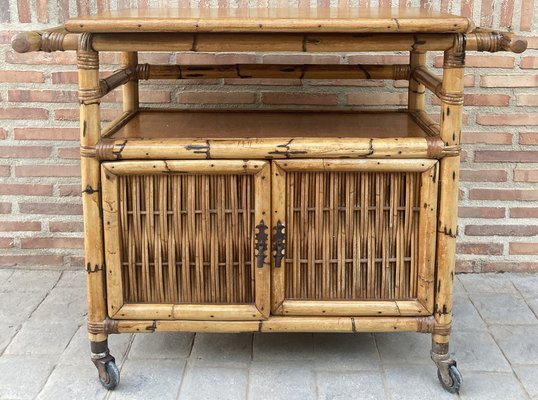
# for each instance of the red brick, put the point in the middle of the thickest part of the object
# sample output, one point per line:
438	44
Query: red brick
24	151
146	96
64	77
5	208
46	133
486	61
5	170
481	212
6	242
346	82
524	212
29	189
5	14
216	97
70	190
23	7
493	249
524	248
506	156
529	63
69	152
377	59
465	266
42	58
493	175
527	100
52	242
377	98
528	138
145	57
73	114
501	230
29	260
507	119
2	133
50	208
8	226
263	82
23	113
43	96
501	100
509	81
57	226
529	175
487	137
504	194
301	59
47	170
299	98
22	76
509	266
195	58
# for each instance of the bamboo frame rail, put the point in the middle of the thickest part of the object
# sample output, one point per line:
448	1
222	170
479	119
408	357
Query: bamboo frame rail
435	84
58	39
276	324
173	149
274	71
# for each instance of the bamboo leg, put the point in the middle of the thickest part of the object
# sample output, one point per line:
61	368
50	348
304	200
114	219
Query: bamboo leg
130	89
450	129
416	90
88	76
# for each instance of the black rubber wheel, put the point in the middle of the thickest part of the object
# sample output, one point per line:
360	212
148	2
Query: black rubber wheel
112	376
455	376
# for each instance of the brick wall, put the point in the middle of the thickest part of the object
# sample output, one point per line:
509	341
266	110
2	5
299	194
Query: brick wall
40	208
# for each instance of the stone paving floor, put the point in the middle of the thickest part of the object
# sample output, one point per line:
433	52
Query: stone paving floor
44	353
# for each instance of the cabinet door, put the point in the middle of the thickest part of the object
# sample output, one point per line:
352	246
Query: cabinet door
186	239
353	237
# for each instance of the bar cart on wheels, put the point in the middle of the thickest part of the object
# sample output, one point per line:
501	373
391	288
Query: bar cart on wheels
264	220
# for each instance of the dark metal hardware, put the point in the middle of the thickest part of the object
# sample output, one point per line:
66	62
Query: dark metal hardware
279	243
261	243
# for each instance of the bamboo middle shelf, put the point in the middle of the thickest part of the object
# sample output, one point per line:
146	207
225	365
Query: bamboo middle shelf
270	221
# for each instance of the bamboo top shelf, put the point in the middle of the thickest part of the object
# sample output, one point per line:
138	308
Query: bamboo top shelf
167	124
326	20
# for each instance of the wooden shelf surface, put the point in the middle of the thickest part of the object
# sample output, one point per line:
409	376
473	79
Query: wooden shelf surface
287	19
204	124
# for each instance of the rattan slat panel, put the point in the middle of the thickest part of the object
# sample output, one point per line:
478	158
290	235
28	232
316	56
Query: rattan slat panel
352	235
187	238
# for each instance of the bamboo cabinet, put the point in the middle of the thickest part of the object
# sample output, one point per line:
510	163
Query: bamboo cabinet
270	221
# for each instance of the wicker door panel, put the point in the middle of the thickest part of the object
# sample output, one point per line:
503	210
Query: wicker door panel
359	236
180	239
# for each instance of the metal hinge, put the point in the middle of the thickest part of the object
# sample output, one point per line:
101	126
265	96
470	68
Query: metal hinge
279	245
261	243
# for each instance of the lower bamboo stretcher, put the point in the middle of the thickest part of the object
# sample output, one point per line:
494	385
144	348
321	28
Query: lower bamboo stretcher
280	324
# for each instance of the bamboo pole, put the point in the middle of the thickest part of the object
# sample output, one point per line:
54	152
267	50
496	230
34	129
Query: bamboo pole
451	122
129	61
353	308
416	98
57	39
283	324
269	148
273	71
90	131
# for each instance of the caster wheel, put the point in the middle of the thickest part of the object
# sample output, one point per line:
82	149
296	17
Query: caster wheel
455	377
112	377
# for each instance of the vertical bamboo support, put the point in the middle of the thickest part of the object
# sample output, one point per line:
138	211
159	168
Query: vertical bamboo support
88	77
416	98
129	59
450	130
